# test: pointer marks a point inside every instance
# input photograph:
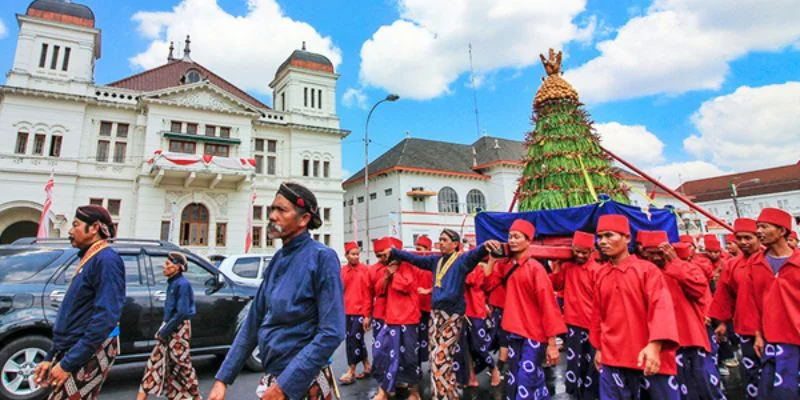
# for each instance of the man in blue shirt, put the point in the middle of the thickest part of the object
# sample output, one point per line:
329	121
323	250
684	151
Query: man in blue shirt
297	318
85	333
450	269
169	371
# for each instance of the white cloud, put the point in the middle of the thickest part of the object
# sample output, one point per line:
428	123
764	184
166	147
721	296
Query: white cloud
633	143
354	98
684	45
246	49
750	128
673	174
3	29
419	55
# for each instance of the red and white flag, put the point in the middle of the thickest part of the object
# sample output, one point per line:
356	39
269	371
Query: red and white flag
48	203
248	240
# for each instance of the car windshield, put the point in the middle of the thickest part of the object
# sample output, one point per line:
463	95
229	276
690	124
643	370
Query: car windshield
17	265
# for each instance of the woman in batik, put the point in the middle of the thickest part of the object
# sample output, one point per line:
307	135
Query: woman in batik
169	371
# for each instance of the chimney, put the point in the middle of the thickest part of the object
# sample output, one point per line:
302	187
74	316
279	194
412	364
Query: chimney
474	157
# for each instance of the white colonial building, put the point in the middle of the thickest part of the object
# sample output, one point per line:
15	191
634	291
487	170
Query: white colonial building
420	186
172	152
777	187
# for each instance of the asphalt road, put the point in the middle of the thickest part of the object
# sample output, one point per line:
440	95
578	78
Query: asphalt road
123	381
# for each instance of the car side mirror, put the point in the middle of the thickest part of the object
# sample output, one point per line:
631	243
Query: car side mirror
214	283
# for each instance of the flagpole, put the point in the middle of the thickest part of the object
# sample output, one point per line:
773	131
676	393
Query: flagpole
248	239
44	231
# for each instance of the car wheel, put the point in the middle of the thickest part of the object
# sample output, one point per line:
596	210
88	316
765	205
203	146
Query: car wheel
18	361
253	363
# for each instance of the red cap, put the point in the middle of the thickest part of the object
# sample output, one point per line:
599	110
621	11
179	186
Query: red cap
524	227
382	244
425	242
745	225
793	235
709	236
682	250
583	239
350	246
640	235
687	239
776	217
654	239
396	243
710	244
730	238
613	223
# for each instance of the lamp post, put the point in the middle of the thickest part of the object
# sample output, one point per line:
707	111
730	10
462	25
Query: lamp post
735	194
390	97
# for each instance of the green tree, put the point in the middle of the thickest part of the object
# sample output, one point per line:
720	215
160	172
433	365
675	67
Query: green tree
565	166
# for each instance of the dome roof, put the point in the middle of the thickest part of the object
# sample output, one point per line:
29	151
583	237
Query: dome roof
307	60
62	11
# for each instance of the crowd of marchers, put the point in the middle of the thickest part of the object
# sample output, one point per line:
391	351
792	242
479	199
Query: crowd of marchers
662	322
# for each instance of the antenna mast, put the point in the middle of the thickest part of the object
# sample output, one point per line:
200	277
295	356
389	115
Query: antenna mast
474	94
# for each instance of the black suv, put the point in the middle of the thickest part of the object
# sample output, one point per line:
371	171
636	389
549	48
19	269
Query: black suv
33	279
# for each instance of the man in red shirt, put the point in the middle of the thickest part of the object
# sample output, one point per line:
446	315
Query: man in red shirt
776	291
473	352
576	279
532	318
731	247
733	301
397	346
633	320
355	278
424	289
697	373
792	241
376	302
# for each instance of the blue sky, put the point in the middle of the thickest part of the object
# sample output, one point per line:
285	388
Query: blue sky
684	88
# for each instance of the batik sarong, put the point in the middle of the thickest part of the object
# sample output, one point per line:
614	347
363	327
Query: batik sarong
499	336
779	372
377	326
354	340
86	382
397	357
626	383
698	376
443	337
750	366
525	378
424	325
320	389
581	378
473	347
169	371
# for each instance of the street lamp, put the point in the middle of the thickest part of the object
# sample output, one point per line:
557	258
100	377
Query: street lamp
390	97
735	194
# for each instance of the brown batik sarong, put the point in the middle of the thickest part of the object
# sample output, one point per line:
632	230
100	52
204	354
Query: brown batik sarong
86	382
169	371
320	389
444	332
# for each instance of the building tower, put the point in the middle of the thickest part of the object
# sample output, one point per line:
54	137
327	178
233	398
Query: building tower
57	48
306	84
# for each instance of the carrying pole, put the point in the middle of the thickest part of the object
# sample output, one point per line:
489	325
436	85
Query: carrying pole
675	194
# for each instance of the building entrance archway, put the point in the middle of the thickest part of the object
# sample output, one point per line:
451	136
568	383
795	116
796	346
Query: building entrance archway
18	230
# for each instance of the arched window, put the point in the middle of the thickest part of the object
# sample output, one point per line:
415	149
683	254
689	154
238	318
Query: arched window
448	200
475	200
192	76
194	225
